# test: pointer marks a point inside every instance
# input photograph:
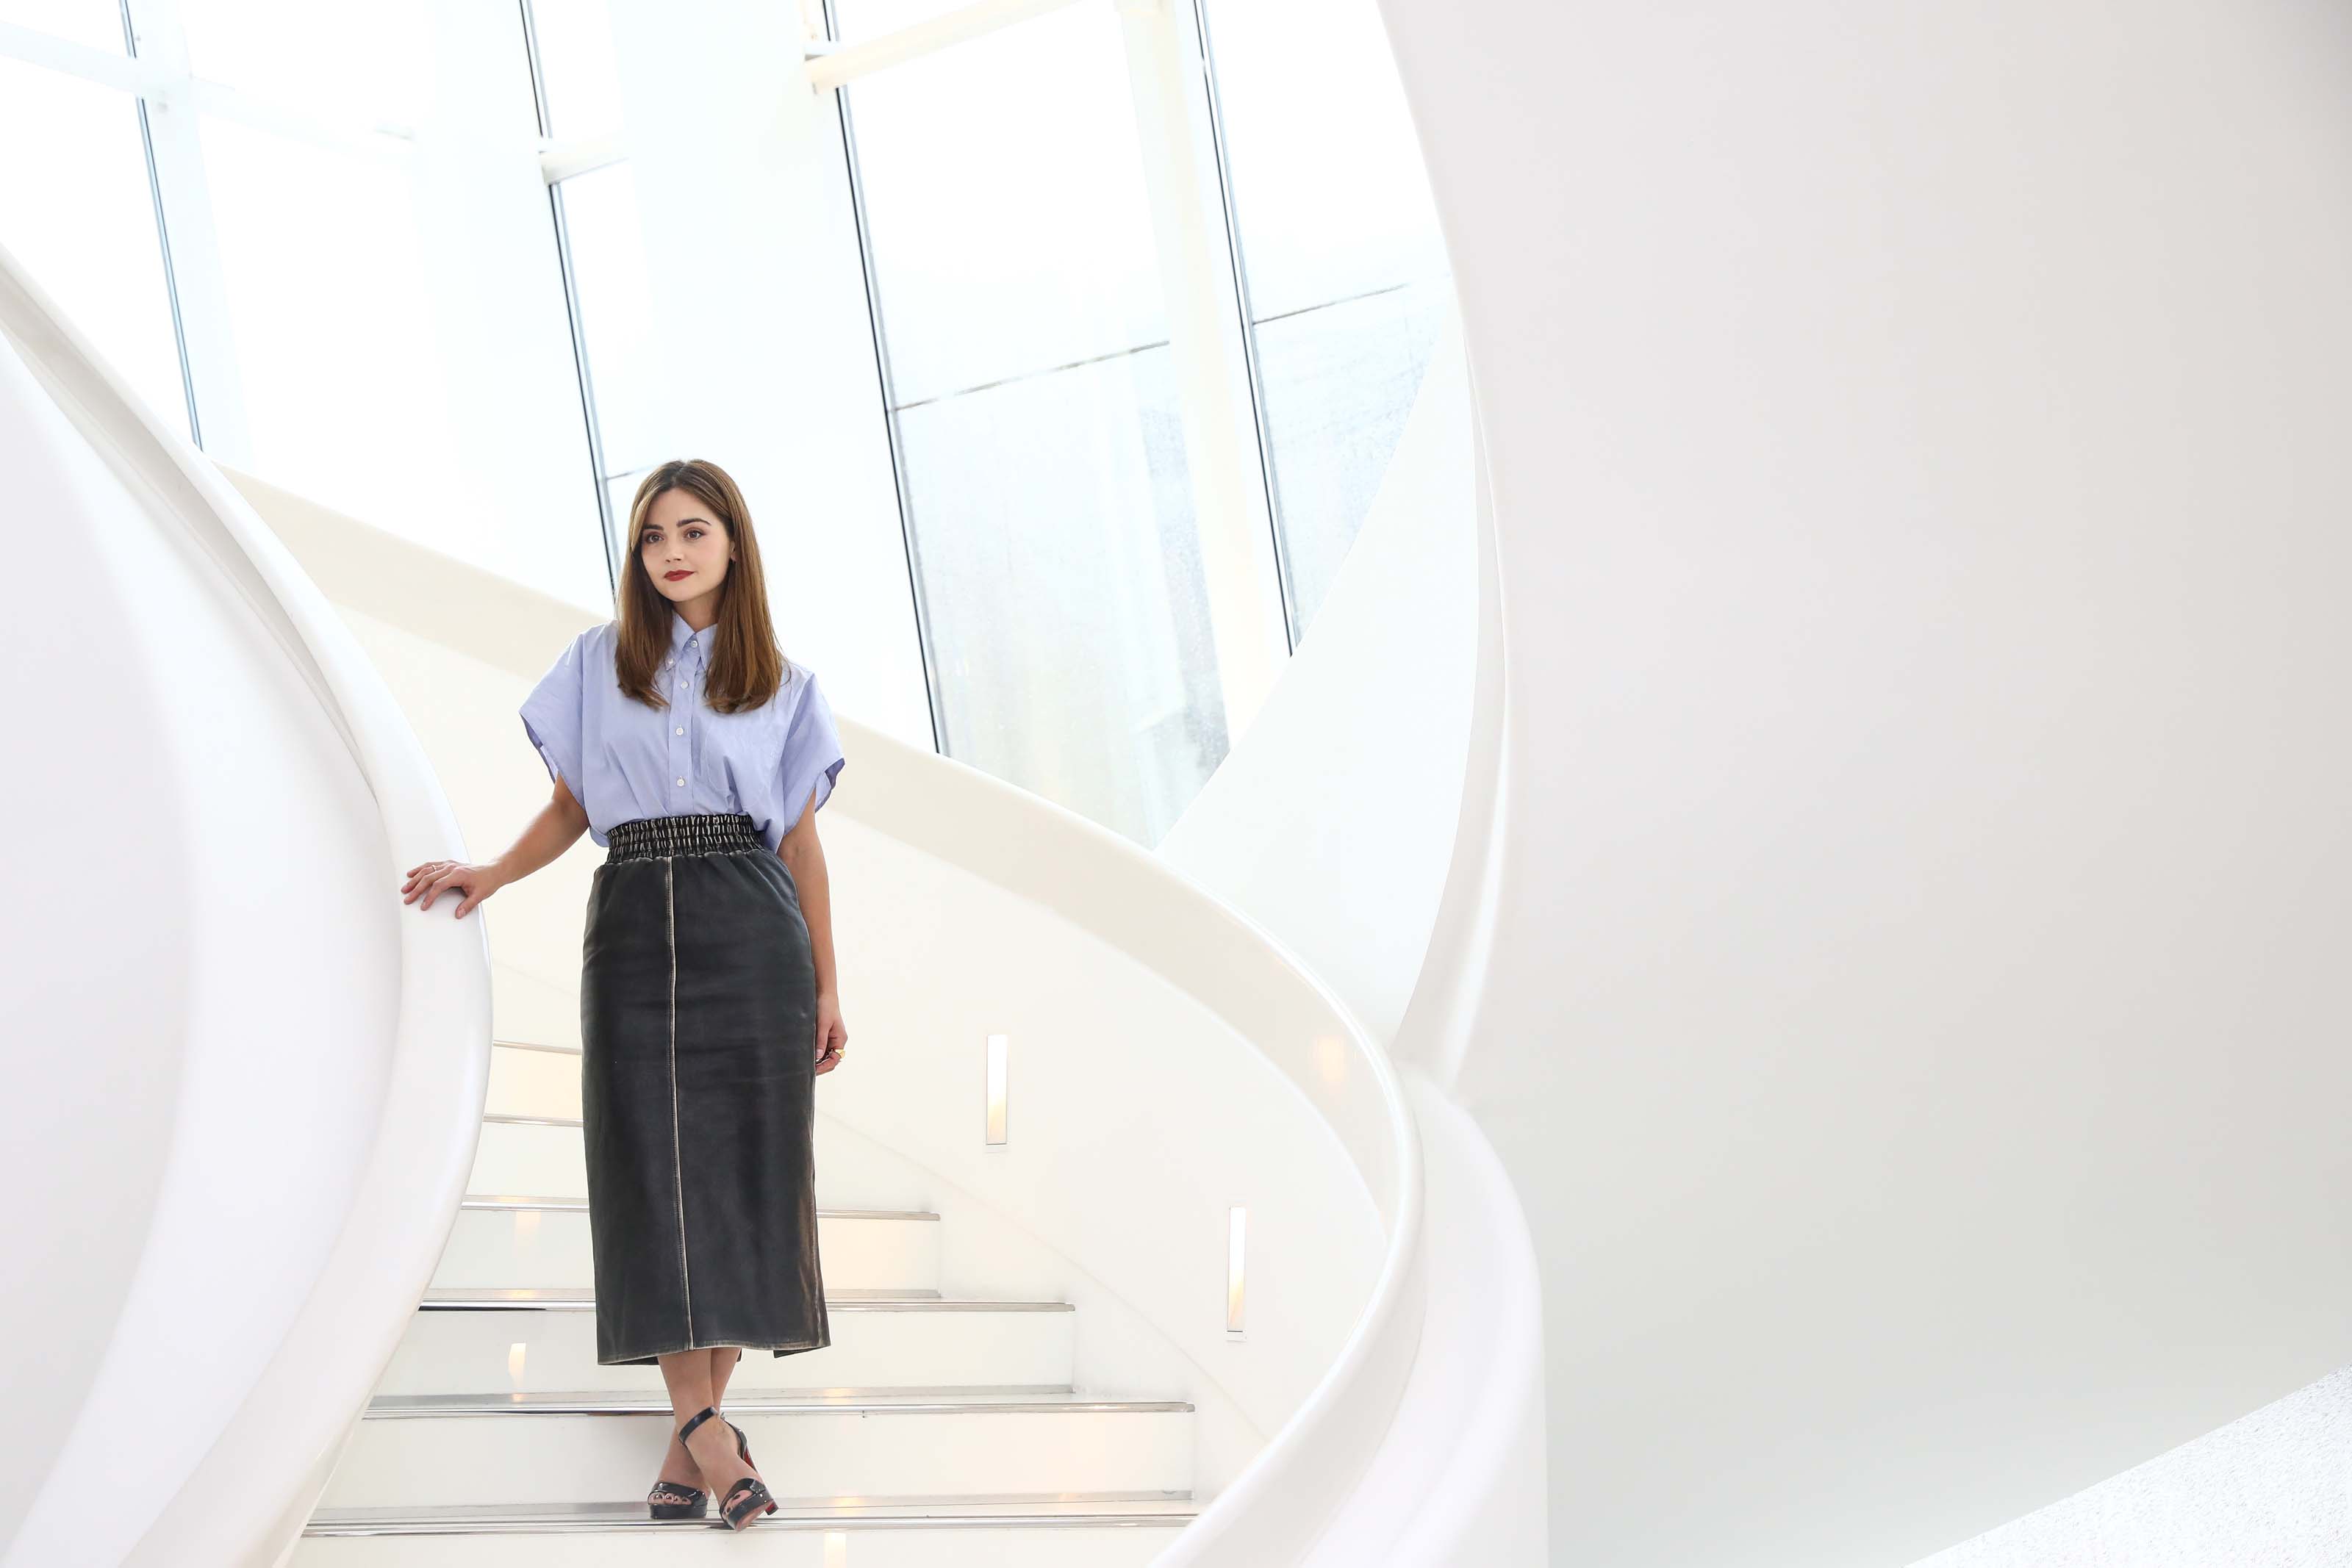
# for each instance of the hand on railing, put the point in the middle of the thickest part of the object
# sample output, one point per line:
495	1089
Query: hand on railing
431	880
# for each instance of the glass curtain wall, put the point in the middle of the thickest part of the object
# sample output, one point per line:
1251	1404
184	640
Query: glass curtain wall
1033	413
306	244
1008	241
1344	270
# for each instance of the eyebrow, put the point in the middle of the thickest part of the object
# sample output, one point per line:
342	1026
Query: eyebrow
682	522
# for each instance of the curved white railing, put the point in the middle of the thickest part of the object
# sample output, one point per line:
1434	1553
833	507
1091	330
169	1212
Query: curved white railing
235	1474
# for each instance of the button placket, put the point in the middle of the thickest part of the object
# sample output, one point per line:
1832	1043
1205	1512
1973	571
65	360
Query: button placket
681	745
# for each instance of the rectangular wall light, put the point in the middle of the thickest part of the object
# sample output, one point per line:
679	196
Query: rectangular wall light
995	1088
1236	1227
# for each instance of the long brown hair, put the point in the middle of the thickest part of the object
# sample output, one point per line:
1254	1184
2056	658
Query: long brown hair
746	668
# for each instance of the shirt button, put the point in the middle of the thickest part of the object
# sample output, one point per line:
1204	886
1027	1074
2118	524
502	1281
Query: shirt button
681	729
681	781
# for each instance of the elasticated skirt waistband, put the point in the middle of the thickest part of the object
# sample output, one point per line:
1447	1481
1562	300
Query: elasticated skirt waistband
702	834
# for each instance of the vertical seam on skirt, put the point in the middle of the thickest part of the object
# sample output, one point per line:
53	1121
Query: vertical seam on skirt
677	1154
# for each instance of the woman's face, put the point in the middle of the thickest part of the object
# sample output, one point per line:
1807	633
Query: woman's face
683	550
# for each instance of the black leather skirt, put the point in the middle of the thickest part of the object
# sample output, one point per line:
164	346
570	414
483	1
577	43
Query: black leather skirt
698	1030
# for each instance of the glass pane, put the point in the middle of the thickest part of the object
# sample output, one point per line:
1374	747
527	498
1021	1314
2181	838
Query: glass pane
81	219
368	63
576	68
1341	256
1063	589
1337	383
95	23
1329	189
337	351
1004	204
1056	555
608	273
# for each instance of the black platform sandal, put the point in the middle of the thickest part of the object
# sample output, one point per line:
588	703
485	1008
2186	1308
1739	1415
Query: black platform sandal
744	1449
748	1498
675	1500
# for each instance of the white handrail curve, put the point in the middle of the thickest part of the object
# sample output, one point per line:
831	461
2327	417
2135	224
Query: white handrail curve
245	1499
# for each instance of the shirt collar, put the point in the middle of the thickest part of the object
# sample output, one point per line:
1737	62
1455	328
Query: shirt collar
679	631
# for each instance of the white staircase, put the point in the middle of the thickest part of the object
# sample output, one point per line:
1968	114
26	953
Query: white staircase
934	1429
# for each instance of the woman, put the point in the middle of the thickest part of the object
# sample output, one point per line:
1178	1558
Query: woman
685	743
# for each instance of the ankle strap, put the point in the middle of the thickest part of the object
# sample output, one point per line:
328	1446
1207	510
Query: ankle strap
705	1413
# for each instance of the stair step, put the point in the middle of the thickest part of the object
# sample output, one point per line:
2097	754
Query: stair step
899	1401
528	1341
1055	1530
1101	1508
430	1450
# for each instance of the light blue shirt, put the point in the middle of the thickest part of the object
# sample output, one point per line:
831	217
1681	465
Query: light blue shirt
622	759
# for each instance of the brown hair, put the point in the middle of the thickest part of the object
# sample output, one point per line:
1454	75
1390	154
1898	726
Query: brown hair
746	668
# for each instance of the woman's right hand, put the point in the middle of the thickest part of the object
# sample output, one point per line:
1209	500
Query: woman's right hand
434	878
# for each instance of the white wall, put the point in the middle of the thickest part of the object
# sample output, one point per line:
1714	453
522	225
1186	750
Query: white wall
1919	482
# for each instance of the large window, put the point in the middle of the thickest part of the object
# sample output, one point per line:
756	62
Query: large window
1041	452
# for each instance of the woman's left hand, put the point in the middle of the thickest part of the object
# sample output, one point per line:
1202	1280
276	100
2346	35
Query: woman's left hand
832	1034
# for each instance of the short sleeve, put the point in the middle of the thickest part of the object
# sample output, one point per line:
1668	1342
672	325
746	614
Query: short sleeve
812	758
552	714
